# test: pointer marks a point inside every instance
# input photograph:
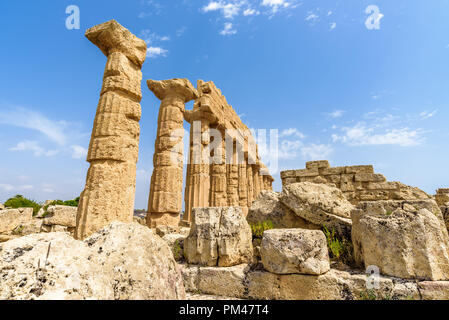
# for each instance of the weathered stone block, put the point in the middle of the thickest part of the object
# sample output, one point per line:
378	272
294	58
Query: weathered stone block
287	251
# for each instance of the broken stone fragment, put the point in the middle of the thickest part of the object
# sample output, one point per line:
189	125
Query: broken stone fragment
288	251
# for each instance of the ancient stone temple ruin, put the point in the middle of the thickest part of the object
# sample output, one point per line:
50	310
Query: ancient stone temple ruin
233	178
224	168
358	183
110	185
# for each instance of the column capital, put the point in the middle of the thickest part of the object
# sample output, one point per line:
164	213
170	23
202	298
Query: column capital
113	37
179	88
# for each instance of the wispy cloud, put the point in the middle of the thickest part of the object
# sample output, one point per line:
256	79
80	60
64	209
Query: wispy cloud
153	41
316	151
291	132
228	29
362	135
78	152
154	52
24	118
35	148
427	115
333	26
336	114
228	9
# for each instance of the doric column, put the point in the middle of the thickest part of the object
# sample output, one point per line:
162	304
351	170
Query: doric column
232	176
110	184
250	187
256	180
198	176
243	188
165	201
218	181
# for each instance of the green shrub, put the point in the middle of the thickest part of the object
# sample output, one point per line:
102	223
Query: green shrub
258	228
20	201
340	249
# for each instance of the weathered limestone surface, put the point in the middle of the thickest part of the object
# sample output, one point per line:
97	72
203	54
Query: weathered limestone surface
406	239
246	283
319	204
358	183
445	211
114	145
60	218
176	243
218	236
12	222
165	201
268	207
434	290
289	251
2	206
54	266
442	197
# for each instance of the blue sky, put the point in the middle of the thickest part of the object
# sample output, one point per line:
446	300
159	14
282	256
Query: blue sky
333	88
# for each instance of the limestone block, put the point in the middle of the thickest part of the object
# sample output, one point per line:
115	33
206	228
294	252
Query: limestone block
382	186
407	243
306	173
2	206
103	267
434	290
287	174
360	169
442	196
268	207
218	236
332	171
223	281
61	215
319	204
287	251
369	177
312	165
11	219
235	238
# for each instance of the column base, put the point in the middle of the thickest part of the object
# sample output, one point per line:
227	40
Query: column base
163	219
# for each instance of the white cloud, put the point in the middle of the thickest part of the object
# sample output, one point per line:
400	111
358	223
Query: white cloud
316	151
228	9
329	13
78	152
292	132
250	12
336	114
228	29
333	25
275	5
154	52
35	148
312	17
361	135
152	39
427	115
24	118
